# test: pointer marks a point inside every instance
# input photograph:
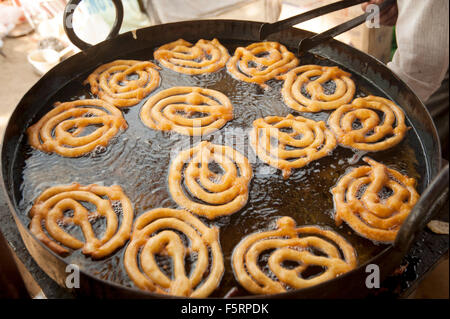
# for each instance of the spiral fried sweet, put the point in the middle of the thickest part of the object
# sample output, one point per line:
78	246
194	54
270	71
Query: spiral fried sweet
370	124
210	194
374	200
61	206
76	128
124	83
305	141
187	110
261	62
162	232
302	247
303	89
184	57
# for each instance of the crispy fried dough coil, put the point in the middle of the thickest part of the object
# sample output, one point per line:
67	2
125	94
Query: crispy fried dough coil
290	244
48	212
62	130
177	109
157	232
184	57
359	200
112	81
373	132
307	141
220	194
314	98
260	62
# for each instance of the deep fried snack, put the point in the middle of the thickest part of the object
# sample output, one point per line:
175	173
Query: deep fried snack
178	109
290	244
358	125
303	88
50	209
260	62
306	141
61	130
156	233
183	57
374	200
112	81
221	194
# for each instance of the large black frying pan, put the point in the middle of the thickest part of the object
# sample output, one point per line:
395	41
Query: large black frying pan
434	188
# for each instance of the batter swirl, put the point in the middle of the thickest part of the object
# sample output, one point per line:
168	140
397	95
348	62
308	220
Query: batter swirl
260	62
306	141
370	124
303	88
187	110
183	57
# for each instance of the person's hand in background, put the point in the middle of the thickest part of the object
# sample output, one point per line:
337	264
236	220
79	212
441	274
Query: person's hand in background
389	16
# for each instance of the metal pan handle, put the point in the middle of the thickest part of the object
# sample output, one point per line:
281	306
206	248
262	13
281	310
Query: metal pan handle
426	208
68	26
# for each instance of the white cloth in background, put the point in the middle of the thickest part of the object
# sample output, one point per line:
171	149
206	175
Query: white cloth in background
92	20
178	10
422	32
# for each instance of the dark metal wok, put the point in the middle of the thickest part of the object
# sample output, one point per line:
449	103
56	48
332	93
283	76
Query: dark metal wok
351	284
